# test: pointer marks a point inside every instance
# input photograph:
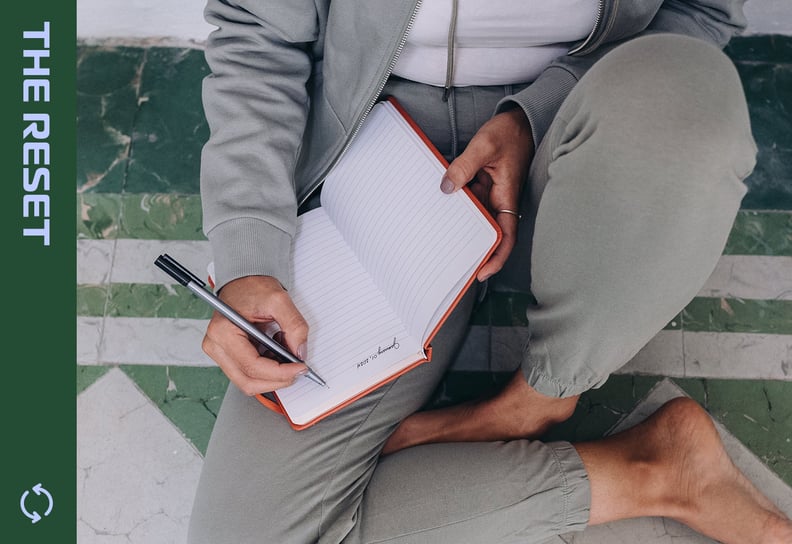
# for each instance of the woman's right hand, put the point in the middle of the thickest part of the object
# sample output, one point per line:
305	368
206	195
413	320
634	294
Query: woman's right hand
262	300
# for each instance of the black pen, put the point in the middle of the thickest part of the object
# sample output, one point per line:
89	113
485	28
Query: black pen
196	285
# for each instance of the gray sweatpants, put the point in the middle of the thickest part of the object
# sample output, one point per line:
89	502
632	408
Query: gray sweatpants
631	196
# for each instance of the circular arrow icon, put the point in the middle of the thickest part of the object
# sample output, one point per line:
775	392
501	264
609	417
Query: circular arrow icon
35	516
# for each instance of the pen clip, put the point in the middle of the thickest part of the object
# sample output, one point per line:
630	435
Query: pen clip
177	271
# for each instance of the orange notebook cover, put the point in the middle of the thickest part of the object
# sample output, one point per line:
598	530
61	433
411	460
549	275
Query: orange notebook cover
380	265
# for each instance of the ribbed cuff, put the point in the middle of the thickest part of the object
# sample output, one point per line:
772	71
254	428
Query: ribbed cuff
559	378
575	488
541	99
250	247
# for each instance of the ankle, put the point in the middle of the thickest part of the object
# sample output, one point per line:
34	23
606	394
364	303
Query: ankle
542	413
676	467
777	529
689	476
523	411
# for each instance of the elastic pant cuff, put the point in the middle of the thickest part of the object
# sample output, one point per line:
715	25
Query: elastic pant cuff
576	488
551	387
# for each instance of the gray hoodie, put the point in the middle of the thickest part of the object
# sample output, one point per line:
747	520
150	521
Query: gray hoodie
292	80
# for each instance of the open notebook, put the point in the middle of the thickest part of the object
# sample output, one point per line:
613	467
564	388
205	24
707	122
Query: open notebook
380	265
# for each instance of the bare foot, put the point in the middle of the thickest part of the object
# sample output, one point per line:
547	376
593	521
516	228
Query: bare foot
674	465
518	411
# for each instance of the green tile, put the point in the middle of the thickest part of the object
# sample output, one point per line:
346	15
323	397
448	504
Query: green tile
461	386
508	309
107	99
91	300
675	324
768	102
769	95
738	315
161	217
519	303
770	184
503	311
598	410
155	300
139	216
482	313
761	233
102	70
190	397
756	412
98	215
87	375
765	67
773	48
170	129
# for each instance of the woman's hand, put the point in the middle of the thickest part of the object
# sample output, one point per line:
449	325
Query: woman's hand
498	157
262	301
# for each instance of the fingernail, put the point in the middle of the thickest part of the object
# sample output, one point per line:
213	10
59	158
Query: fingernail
302	351
299	375
446	185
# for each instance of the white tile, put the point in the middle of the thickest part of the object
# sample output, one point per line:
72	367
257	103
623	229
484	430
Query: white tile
768	17
738	355
94	259
89	339
178	23
85	534
154	341
752	277
662	356
665	531
136	474
134	259
671	353
728	355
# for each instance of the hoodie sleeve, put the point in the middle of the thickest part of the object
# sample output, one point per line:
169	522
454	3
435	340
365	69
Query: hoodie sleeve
256	102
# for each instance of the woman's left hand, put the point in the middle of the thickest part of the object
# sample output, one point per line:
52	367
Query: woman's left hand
497	157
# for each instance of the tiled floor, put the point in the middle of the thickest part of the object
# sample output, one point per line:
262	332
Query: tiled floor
147	396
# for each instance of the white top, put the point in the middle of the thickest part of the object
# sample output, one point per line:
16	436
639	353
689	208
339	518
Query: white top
497	42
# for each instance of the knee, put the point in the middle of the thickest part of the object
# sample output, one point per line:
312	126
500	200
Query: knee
673	77
677	94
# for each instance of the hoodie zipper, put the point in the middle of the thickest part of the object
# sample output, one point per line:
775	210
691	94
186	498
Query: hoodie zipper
372	101
590	37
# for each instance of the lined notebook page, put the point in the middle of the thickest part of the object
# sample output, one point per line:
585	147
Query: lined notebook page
355	338
416	242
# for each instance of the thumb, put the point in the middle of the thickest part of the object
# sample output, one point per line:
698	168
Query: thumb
296	335
293	326
464	168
